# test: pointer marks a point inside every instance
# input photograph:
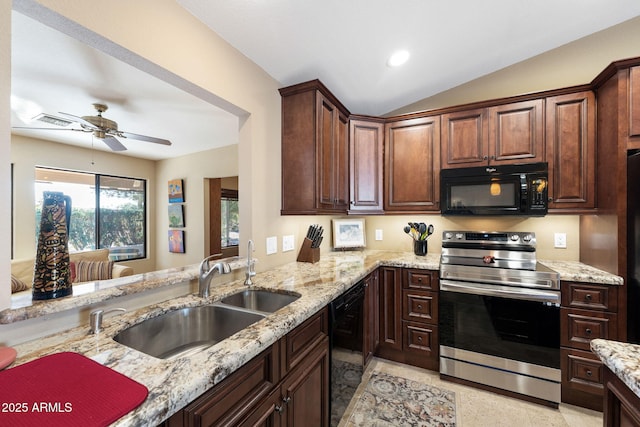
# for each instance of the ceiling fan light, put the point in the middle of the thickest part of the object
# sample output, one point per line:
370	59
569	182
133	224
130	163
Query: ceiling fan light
398	58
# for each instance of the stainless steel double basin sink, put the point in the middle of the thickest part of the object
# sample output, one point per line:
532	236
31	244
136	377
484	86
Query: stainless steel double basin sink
189	330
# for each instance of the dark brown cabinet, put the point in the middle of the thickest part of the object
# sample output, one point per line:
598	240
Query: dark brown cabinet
634	101
588	311
371	334
286	385
503	134
412	165
315	151
621	405
571	148
366	144
409	316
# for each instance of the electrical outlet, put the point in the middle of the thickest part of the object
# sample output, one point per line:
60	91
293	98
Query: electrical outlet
272	245
560	240
378	234
287	243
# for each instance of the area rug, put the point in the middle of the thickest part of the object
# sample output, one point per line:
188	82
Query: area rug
393	401
345	379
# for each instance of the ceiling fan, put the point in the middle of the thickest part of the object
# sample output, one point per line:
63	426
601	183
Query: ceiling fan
101	127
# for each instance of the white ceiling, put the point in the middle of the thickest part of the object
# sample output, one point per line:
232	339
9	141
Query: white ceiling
54	73
346	43
343	43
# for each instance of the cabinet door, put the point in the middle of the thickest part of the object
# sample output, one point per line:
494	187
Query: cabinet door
634	101
570	137
465	139
390	308
516	133
327	131
412	165
371	317
305	393
341	163
266	414
366	139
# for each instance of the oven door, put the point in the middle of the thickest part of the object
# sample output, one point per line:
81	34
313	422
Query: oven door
505	322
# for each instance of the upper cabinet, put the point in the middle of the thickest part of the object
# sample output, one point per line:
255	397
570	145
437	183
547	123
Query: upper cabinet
315	151
634	101
503	134
412	165
571	148
366	144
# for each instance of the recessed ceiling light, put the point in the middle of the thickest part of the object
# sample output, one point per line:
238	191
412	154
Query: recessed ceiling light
398	58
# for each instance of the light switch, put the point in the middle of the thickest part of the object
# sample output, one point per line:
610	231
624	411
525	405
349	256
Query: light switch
287	243
272	245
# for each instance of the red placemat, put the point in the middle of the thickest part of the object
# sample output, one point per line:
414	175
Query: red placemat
66	389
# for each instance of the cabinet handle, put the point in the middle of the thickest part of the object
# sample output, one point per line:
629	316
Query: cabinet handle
485	157
286	400
419	306
588	331
551	199
589	373
493	157
279	409
588	297
420	339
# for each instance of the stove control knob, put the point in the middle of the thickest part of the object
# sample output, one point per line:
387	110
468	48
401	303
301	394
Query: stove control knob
459	236
514	237
527	238
448	236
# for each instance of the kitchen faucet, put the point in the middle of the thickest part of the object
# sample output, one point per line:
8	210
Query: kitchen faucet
250	273
206	273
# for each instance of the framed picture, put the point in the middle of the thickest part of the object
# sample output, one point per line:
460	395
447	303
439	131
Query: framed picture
176	215
176	191
176	241
348	233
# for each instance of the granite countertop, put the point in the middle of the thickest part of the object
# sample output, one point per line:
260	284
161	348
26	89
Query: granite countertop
622	358
174	383
574	271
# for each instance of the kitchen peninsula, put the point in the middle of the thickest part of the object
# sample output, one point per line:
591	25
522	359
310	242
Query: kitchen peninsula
173	384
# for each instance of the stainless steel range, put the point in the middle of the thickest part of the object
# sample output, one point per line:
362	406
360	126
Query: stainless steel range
499	314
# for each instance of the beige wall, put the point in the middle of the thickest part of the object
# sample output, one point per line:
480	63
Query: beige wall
5	144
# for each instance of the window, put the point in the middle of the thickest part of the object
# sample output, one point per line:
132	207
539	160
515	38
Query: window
106	211
229	229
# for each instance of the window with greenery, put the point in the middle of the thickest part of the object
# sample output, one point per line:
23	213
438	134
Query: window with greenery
230	231
106	211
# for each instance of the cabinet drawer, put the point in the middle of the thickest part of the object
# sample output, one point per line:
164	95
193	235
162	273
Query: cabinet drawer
582	371
421	339
224	404
579	327
302	340
420	306
421	279
590	296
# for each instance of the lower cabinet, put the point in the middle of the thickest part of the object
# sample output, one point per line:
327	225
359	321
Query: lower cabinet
621	405
588	311
286	385
409	316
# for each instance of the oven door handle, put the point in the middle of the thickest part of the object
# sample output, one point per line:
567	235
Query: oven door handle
500	291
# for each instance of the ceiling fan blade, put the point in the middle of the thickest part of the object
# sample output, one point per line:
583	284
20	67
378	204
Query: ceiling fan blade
145	138
113	143
80	120
34	128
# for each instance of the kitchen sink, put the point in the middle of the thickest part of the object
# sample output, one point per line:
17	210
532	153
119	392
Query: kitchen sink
260	300
186	331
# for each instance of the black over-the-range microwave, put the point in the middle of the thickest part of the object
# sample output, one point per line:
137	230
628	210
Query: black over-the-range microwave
495	190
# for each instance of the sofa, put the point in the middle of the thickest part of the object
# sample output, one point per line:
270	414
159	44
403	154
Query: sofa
85	266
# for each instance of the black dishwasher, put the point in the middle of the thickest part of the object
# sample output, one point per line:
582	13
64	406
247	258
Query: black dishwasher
346	341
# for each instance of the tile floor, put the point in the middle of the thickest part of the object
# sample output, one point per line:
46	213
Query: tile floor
479	408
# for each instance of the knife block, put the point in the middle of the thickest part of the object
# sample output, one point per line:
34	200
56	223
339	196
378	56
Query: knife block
307	253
